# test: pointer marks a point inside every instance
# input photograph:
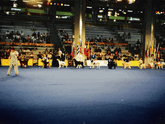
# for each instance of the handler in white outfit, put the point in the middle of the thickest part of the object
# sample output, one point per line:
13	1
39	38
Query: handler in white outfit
13	61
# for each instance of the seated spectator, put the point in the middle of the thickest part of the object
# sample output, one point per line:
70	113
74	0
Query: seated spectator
66	37
28	39
120	55
119	49
27	50
44	36
45	61
107	57
38	35
109	40
23	60
7	34
105	40
116	49
112	50
31	55
22	35
136	57
98	38
112	40
39	56
108	49
129	35
49	56
34	34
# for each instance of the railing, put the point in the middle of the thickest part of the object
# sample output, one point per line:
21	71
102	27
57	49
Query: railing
117	44
26	44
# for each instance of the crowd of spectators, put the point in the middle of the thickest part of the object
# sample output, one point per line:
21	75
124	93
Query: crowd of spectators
126	35
21	37
64	36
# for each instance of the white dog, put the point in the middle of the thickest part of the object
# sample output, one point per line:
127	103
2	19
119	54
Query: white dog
61	63
142	66
126	64
96	64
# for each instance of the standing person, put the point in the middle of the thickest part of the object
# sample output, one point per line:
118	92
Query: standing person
59	52
13	61
93	57
79	60
45	61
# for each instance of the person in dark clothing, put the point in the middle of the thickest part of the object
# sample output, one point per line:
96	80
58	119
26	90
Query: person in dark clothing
111	63
62	58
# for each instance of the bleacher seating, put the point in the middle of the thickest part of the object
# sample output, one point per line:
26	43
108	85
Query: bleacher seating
135	34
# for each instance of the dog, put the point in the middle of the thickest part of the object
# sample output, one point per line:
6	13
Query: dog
126	64
142	66
96	64
61	63
79	66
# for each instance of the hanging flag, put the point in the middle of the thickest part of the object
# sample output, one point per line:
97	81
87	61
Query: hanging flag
78	47
72	54
85	50
152	49
149	53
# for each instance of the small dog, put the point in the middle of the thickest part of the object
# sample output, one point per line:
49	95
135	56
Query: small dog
142	66
126	64
61	63
96	64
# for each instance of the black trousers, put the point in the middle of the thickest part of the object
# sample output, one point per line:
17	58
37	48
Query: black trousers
78	62
111	64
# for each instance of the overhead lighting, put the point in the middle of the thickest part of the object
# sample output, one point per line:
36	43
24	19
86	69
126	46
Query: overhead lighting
131	1
100	16
40	2
89	7
25	1
110	9
109	13
66	5
116	14
120	10
39	5
15	9
129	11
15	4
100	11
62	4
119	0
35	5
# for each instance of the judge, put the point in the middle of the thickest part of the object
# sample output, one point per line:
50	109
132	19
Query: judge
13	61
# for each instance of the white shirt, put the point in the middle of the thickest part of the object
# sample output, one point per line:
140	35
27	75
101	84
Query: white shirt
79	57
59	53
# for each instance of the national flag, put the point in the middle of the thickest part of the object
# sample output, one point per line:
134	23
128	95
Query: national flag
149	53
72	54
78	47
85	50
152	49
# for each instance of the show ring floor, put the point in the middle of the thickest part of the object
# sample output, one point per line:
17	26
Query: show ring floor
82	96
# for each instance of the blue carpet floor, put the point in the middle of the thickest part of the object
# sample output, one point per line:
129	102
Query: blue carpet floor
82	96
